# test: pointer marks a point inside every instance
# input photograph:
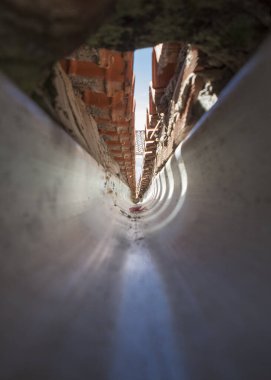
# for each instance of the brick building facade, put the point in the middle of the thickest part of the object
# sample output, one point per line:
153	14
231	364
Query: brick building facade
179	80
104	80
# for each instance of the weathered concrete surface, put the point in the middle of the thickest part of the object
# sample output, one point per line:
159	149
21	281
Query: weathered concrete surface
33	36
182	293
228	31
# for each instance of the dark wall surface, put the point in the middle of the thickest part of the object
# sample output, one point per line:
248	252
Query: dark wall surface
33	36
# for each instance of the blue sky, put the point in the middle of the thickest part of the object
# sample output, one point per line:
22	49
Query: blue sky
142	71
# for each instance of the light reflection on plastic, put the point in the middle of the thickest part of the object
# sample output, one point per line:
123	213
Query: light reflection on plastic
153	225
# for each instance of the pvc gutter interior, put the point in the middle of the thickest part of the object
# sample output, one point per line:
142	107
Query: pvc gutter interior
179	291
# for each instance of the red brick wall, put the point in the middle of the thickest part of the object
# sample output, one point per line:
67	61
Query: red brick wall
106	85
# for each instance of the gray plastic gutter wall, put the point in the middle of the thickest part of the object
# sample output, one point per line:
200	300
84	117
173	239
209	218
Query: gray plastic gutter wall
182	291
